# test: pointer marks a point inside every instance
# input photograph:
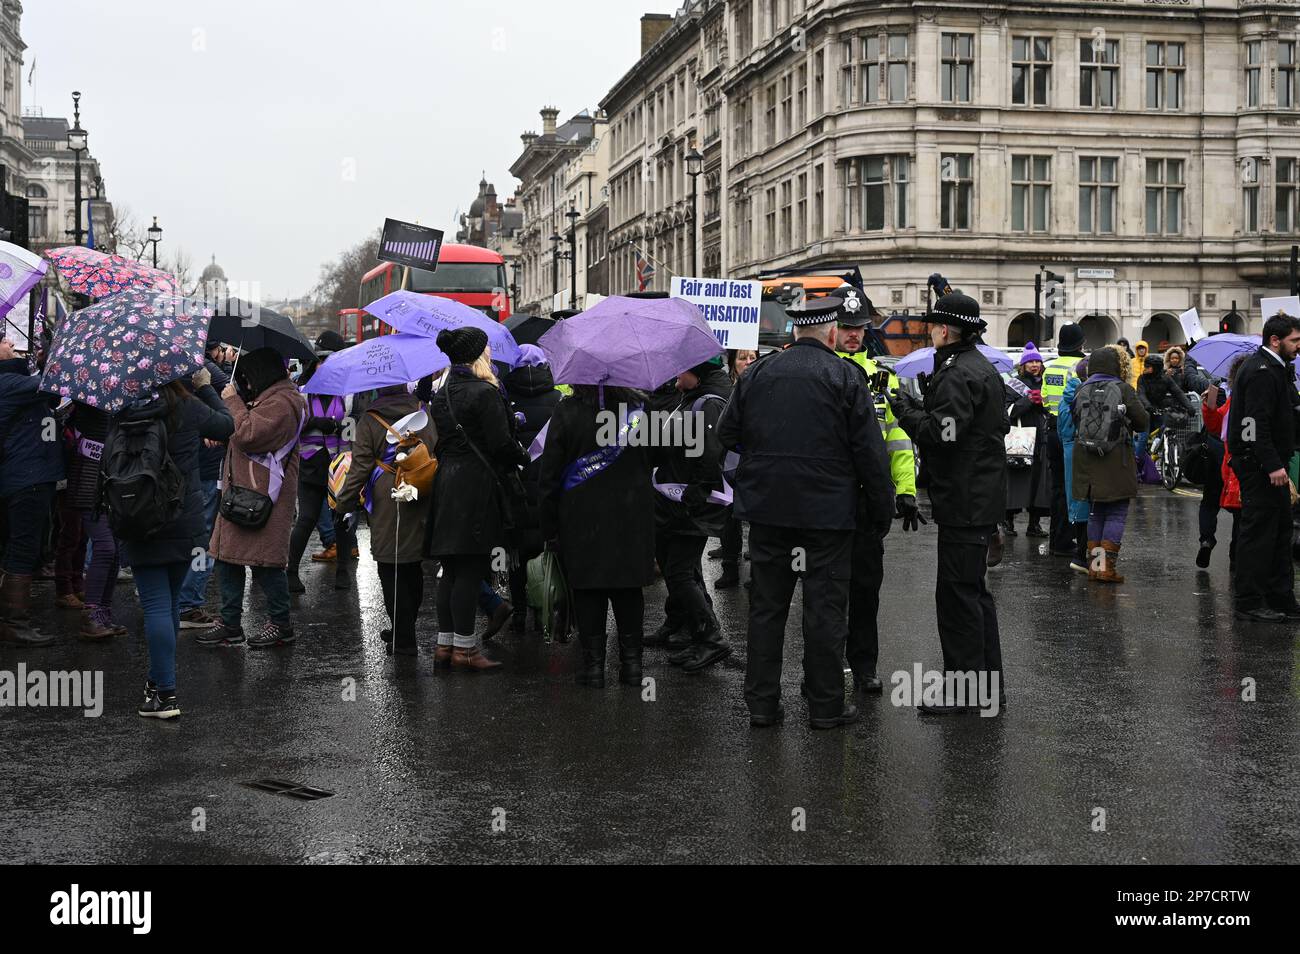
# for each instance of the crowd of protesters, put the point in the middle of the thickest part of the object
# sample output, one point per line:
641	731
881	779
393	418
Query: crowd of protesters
821	454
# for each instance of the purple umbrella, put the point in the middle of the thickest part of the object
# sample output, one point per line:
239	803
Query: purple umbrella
19	271
427	315
630	343
1216	353
921	361
124	347
377	363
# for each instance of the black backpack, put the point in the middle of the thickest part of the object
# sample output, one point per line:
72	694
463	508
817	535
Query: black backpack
142	489
1099	417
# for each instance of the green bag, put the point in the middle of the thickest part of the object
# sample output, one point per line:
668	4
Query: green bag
548	594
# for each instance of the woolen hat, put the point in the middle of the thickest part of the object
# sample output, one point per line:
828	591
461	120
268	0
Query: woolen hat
958	310
462	345
1030	353
330	341
1070	337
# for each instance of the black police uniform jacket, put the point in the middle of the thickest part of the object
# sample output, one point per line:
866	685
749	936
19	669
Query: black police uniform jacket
804	423
961	432
1265	393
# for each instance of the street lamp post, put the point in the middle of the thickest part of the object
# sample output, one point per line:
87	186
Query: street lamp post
77	144
155	236
694	166
555	264
514	286
573	216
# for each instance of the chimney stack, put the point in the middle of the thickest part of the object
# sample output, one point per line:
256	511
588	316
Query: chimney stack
528	138
653	26
549	113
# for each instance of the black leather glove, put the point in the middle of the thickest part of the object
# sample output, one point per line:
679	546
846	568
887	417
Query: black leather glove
905	507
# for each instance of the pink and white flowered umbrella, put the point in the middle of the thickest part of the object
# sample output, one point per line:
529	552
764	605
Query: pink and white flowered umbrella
100	275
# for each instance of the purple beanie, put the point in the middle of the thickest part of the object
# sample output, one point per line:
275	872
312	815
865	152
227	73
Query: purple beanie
1030	353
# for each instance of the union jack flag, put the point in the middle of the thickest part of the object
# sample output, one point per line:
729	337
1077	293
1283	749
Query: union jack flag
645	271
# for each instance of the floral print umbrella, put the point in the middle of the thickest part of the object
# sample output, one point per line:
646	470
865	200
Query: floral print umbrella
100	275
123	348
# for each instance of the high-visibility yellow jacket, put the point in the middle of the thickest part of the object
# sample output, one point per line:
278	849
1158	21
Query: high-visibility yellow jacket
902	456
1056	375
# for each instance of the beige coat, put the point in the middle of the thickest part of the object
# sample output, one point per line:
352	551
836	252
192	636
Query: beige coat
262	427
386	544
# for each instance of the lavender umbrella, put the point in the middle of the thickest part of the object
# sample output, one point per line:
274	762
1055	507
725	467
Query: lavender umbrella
20	270
1216	353
428	314
629	342
377	363
921	361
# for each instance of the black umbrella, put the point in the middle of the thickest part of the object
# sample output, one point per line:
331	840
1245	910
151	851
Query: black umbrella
526	329
251	326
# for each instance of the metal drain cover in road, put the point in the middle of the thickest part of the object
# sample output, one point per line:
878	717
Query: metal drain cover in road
296	790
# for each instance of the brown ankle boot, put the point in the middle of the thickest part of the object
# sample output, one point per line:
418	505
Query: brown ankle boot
16	596
441	656
1112	557
472	660
94	626
1091	557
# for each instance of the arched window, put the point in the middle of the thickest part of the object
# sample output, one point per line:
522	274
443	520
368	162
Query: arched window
1021	329
1098	330
1163	329
35	191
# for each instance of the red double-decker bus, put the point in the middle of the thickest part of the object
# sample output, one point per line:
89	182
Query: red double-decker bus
466	273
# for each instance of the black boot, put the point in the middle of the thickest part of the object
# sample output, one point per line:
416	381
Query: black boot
629	658
1035	528
1009	525
730	577
592	672
710	648
343	570
295	582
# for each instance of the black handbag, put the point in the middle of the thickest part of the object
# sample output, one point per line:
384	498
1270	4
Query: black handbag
243	506
249	508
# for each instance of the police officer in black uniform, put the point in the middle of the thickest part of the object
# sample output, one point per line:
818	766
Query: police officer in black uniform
960	431
804	424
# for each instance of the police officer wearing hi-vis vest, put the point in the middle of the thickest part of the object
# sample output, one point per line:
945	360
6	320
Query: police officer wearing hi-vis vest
1057	373
863	647
803	424
960	428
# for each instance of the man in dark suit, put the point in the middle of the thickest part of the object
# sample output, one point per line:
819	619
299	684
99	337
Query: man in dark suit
1261	438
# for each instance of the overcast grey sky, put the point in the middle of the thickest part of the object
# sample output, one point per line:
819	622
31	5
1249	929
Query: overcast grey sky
236	122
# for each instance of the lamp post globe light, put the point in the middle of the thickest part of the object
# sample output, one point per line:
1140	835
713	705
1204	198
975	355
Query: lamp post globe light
555	264
77	138
155	236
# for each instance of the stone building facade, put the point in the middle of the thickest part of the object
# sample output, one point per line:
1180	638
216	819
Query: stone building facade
1147	150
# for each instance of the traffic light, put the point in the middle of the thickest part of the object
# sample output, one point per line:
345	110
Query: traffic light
1055	288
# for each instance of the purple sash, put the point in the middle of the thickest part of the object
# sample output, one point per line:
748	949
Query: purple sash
313	441
274	463
368	491
589	465
674	491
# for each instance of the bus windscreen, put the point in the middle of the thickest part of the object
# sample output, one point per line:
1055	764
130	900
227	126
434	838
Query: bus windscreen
458	277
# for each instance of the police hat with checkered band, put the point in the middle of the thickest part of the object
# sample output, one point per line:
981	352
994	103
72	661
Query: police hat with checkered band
815	311
960	311
857	309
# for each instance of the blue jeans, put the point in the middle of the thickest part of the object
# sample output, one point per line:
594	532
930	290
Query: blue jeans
159	588
273	582
194	591
325	524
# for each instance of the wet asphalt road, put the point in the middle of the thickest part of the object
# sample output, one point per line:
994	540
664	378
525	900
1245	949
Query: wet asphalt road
1126	700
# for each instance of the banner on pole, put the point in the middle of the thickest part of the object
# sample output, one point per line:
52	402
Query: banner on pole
730	307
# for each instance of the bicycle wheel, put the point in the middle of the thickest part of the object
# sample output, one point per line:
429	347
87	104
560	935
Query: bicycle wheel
1171	465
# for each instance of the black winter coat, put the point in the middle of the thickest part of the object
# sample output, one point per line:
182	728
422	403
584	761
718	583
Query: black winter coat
211	458
24	409
961	431
467	508
1159	392
701	469
1264	392
804	423
88	426
605	525
532	394
204	415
